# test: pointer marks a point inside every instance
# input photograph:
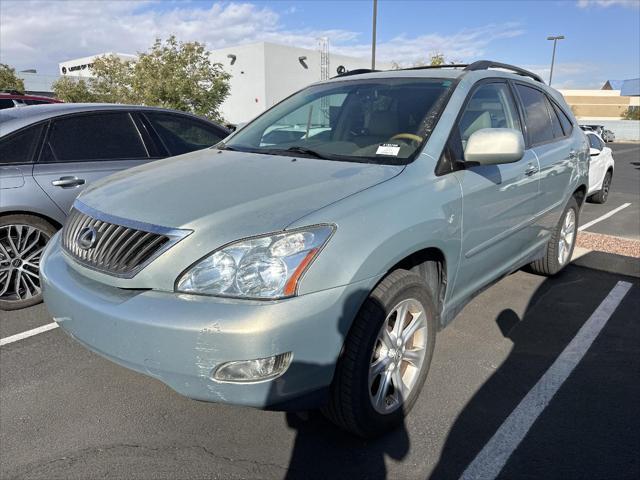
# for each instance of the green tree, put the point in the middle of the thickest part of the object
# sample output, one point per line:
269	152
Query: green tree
9	80
172	74
181	76
631	113
76	90
436	59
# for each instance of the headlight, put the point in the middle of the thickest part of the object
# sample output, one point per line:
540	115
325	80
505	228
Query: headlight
269	266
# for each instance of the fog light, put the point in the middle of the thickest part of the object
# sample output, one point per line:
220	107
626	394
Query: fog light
255	370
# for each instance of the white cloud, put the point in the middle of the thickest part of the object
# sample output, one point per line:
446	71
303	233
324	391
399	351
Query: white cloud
52	31
608	3
572	74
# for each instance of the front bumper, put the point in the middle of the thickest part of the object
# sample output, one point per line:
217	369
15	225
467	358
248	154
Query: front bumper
180	339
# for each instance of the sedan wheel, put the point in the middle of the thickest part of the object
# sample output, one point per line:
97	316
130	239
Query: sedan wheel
21	248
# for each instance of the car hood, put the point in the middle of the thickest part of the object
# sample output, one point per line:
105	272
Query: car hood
236	194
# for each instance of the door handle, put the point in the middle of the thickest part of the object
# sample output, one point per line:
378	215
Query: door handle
68	182
531	169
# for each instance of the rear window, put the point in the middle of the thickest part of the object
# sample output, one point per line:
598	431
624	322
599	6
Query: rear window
107	136
19	147
182	134
538	120
6	103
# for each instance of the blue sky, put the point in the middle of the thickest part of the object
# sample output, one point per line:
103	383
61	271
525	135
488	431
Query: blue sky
602	36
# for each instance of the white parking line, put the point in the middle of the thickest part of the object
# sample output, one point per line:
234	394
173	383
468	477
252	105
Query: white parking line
493	457
27	334
603	217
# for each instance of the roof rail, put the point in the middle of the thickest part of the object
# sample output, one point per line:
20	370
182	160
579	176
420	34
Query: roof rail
357	71
444	65
487	64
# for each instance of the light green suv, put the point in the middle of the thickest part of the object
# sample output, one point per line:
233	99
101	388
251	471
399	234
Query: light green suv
309	260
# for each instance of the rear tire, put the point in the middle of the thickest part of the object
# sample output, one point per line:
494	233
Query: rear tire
22	241
384	363
602	194
560	247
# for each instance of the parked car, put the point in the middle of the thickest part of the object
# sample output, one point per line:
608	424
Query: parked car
601	167
49	153
315	271
608	136
12	98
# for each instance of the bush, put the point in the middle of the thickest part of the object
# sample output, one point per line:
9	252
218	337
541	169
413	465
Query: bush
631	113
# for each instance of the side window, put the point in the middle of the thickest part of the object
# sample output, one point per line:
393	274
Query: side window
19	147
567	126
594	142
105	136
555	122
182	134
537	117
491	106
6	103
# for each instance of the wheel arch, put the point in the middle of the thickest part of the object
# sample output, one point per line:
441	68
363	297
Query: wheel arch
52	221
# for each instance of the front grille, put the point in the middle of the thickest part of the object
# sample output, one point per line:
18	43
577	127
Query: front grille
112	245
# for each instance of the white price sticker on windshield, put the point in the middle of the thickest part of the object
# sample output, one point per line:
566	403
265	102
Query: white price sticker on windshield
388	149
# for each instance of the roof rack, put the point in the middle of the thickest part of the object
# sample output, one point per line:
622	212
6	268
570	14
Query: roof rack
357	71
487	64
444	65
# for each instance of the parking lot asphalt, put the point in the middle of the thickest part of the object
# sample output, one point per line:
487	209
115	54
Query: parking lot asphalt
68	413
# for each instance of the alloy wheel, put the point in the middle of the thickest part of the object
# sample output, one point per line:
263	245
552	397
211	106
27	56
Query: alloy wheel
398	356
567	236
21	248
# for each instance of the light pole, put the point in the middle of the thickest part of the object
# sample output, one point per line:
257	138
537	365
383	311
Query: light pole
555	39
373	35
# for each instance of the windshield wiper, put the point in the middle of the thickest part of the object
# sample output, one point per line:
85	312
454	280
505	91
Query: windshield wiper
308	151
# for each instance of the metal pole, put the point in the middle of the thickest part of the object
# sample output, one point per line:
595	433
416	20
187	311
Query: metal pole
373	36
553	60
553	55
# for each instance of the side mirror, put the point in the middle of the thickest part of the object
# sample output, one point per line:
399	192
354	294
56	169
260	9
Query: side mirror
493	146
594	152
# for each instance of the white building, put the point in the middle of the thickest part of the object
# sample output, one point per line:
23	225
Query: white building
264	73
81	67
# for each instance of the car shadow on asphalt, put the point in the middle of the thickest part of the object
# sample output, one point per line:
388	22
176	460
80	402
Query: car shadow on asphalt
569	438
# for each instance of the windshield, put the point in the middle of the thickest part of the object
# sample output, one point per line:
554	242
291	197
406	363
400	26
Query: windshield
384	120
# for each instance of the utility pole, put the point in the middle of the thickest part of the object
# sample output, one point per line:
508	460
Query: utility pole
373	36
555	39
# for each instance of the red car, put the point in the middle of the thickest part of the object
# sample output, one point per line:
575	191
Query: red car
16	99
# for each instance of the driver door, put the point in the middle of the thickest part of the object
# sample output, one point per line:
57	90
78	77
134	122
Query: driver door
499	201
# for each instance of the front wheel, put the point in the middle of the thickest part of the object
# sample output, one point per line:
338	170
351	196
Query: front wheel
560	247
386	357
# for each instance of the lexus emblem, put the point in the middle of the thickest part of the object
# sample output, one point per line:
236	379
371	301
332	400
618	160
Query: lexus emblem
87	238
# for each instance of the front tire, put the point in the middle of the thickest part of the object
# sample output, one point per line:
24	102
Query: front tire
22	241
560	247
386	357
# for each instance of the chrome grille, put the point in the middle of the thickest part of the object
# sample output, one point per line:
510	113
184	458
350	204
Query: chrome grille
118	247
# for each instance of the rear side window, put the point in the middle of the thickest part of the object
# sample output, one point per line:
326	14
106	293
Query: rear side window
567	126
108	136
19	147
182	134
539	126
555	122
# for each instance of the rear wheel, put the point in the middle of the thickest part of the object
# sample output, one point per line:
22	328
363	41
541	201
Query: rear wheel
22	241
602	195
561	244
386	357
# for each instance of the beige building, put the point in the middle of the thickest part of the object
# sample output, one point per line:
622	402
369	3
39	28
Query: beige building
598	103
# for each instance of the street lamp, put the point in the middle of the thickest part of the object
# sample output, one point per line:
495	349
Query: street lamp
555	38
373	35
